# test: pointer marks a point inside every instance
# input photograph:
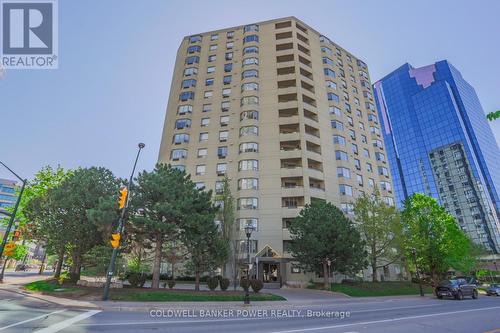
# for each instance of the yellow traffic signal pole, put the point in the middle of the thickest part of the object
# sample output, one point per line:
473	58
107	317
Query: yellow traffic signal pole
11	221
119	229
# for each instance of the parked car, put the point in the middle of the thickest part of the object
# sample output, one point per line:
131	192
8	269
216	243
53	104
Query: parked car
457	288
21	267
493	289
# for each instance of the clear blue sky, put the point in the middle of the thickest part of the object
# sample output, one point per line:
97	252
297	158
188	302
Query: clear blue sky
116	60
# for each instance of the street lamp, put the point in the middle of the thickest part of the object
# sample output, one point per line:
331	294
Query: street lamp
12	217
248	231
119	229
414	252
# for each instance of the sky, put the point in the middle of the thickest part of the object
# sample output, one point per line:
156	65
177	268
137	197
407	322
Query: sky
117	56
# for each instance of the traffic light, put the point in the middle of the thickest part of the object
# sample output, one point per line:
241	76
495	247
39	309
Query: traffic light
123	197
115	240
9	249
16	236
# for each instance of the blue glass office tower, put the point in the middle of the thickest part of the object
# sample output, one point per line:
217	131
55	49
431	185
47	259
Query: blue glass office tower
439	142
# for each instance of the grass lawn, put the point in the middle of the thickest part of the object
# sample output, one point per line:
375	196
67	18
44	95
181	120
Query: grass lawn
172	296
46	286
361	289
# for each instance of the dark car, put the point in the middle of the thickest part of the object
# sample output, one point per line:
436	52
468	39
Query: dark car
493	289
457	288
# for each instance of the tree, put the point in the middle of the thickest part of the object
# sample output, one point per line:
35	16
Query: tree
435	237
159	201
380	227
493	115
321	234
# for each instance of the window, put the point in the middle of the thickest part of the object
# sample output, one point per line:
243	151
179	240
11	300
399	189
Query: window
331	84
214	37
354	148
366	153
357	164
219	187
223	135
226	92
333	97
251	28
251	38
222	152
208	94
221	169
207	107
195	39
335	110
212	58
192	60
248	184
383	171
249	86
345	190
249	115
248	165
229	45
178	154
249	130
183	109
209	82
327	50
201	169
350	121
363	138
371	183
203	136
180	138
230	34
187	95
250	49
212	47
199	185
242	223
228	67
194	48
250	61
328	61
248	203
229	55
369	167
341	155
182	123
250	100
227	79
379	157
224	120
328	72
352	134
225	106
250	73
249	147
359	178
347	208
343	172
210	69
188	83
337	124
202	152
386	186
181	168
338	139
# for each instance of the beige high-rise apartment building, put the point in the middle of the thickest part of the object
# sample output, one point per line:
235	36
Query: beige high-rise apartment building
288	116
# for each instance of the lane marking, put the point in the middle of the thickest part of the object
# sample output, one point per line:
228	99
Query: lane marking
31	319
68	322
385	320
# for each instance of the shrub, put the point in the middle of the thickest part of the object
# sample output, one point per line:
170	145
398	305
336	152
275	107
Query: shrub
137	279
171	284
256	285
219	277
224	283
212	283
244	283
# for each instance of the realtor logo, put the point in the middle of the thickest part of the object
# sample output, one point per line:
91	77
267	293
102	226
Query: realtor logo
29	34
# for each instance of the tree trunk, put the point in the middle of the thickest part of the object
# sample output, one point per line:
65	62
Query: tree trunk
326	283
374	270
76	268
60	260
197	279
40	272
157	263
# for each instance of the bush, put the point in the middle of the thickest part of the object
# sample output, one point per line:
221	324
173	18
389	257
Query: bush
219	277
256	285
244	284
137	279
224	283
212	283
171	284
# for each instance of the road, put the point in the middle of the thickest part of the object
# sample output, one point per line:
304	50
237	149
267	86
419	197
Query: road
22	313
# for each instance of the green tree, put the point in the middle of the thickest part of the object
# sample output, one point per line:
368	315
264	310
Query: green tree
435	237
159	201
229	234
380	227
493	115
322	234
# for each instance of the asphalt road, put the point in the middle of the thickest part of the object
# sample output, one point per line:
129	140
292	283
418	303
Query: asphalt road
20	313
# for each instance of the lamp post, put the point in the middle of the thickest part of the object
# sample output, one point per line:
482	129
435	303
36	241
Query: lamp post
119	229
414	252
12	217
248	231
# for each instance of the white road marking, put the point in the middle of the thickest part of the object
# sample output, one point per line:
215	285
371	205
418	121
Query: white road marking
31	319
385	320
68	322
